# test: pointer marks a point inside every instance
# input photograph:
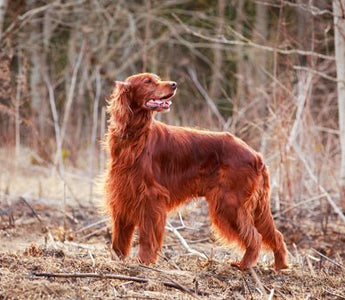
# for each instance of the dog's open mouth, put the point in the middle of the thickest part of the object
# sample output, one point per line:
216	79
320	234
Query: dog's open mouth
162	104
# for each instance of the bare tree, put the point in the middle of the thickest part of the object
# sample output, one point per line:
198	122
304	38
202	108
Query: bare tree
240	88
3	5
260	37
339	40
218	55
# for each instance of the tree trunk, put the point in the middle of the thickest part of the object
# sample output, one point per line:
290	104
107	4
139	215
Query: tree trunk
3	6
260	57
147	35
218	55
339	40
260	37
241	78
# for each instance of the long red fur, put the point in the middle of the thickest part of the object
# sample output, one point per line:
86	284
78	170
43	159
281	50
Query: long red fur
154	167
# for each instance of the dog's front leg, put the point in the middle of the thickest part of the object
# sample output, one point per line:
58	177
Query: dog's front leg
151	231
122	232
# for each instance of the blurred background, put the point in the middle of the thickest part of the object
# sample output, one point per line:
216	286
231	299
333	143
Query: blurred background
264	70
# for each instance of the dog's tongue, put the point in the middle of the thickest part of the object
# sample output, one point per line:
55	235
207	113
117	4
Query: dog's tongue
155	102
158	103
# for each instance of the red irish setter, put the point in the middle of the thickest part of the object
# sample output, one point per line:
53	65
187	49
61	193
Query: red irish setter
154	167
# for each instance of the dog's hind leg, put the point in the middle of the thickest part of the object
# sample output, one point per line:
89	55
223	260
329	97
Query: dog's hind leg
235	224
265	224
250	237
271	237
223	214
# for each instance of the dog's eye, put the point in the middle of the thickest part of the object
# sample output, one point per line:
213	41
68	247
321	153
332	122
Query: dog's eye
148	80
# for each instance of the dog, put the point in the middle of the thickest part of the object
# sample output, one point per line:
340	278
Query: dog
154	167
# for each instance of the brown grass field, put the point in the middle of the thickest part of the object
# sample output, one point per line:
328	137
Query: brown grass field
48	228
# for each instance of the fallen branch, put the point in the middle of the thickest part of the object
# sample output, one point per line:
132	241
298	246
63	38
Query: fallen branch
327	258
183	241
114	276
92	225
187	290
260	285
22	198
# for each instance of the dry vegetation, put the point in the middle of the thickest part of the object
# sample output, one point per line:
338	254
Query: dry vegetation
45	231
270	72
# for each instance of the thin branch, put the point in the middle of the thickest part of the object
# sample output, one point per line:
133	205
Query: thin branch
55	120
70	98
249	43
259	283
187	290
281	213
183	241
303	87
314	178
315	11
94	129
22	198
27	16
92	225
207	98
113	276
323	75
17	105
327	258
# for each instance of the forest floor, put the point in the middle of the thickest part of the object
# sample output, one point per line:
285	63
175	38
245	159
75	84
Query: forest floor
53	245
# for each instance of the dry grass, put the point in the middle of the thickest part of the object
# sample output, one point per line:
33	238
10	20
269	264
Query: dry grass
43	236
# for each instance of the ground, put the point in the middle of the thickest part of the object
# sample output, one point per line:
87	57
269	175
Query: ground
50	227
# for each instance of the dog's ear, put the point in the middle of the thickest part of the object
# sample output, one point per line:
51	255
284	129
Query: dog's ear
120	96
121	93
122	86
119	106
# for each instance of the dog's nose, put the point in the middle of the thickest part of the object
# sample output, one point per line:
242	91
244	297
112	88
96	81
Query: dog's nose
173	84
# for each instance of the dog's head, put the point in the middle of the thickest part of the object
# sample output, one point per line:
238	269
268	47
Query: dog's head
147	91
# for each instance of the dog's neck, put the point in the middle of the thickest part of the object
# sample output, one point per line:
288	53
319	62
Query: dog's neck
134	127
128	140
137	126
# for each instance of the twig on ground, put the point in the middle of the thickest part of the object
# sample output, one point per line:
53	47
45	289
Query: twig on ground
170	261
181	220
114	276
91	225
247	285
298	256
94	233
187	290
151	268
22	198
91	256
327	258
76	245
183	241
334	294
69	216
310	266
32	209
259	283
